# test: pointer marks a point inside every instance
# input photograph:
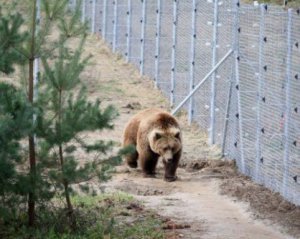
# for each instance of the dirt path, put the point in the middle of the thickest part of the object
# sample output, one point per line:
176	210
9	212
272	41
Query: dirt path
194	199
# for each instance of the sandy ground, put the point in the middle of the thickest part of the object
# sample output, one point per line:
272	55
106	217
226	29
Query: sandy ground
199	198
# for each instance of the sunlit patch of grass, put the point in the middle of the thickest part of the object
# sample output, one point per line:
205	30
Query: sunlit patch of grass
90	201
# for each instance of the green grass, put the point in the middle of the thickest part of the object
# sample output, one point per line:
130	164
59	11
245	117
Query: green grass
107	216
90	201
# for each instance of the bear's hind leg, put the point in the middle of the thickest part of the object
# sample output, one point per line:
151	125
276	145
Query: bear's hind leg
131	159
130	141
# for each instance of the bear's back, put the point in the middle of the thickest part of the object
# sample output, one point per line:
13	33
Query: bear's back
156	118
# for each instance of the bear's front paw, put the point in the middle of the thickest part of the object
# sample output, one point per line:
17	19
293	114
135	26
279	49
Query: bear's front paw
170	178
132	164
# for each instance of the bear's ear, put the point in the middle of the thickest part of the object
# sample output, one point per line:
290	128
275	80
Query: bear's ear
157	136
177	135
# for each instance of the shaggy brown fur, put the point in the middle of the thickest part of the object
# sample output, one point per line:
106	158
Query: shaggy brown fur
155	133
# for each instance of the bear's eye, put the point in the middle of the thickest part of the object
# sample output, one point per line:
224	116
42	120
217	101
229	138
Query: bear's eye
165	148
177	135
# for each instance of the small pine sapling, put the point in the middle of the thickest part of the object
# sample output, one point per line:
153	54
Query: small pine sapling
66	112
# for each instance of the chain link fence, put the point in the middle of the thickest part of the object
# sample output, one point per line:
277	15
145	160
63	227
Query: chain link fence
249	101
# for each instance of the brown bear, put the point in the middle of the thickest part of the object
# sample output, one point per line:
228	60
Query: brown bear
154	133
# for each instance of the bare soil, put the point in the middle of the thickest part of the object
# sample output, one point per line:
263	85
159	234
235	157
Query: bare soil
210	199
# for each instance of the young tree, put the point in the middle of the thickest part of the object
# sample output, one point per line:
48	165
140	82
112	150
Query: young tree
43	43
64	98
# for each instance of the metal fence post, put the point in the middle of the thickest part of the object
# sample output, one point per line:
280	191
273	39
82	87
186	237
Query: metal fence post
192	61
128	34
237	82
115	22
227	114
143	24
157	43
36	66
174	35
93	17
260	83
104	19
83	11
287	113
213	77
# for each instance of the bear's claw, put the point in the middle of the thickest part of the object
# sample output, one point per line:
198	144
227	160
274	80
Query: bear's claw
170	179
149	175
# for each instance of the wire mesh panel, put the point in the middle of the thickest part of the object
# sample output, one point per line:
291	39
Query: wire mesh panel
273	97
150	31
231	142
135	29
203	61
292	186
110	17
264	78
121	26
165	47
88	11
183	42
98	16
223	25
249	23
72	4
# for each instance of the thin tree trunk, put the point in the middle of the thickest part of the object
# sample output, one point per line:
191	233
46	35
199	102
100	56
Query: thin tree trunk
65	183
31	196
70	212
32	159
61	157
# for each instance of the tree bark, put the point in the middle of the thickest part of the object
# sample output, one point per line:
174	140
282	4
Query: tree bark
31	196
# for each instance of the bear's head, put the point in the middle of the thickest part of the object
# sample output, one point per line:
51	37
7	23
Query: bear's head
165	143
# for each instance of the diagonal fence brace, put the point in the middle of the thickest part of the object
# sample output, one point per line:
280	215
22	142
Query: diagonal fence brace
201	82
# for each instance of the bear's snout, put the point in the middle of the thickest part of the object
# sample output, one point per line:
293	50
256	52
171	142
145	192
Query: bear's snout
170	159
167	160
168	156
